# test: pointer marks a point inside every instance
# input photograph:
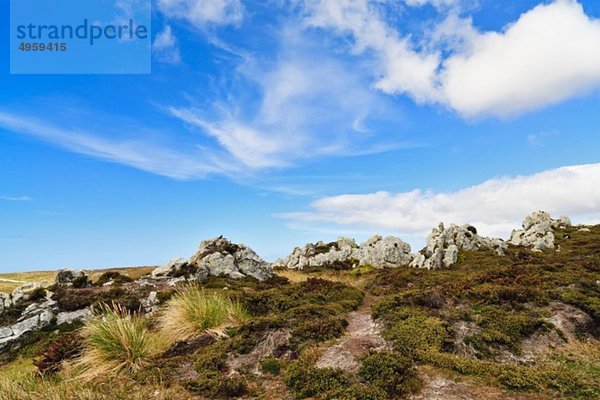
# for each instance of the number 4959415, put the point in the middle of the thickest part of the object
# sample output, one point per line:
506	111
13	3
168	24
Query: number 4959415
24	46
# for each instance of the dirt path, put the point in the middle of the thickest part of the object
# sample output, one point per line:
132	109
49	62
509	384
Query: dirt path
362	335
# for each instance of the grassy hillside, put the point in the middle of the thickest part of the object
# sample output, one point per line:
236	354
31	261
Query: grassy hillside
9	281
524	326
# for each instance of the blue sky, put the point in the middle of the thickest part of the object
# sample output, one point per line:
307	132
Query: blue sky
276	123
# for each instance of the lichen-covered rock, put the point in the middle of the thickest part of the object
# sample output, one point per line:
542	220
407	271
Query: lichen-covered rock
69	317
384	252
443	245
220	257
34	317
377	251
538	231
72	277
170	267
319	254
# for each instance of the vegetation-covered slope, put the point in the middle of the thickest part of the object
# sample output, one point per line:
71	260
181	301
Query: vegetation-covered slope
524	326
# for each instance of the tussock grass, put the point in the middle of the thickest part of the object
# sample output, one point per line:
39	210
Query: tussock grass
194	310
34	387
117	341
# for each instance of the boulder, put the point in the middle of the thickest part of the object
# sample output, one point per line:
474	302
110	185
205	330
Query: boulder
72	277
170	267
443	245
538	231
220	257
384	252
376	251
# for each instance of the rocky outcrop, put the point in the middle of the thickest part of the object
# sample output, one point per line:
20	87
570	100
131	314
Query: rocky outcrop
72	277
170	268
215	257
377	251
220	257
538	231
443	245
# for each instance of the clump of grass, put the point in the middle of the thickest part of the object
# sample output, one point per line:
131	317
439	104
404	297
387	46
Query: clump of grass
194	310
116	341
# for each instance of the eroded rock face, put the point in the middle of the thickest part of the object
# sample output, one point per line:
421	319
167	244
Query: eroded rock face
443	245
220	257
377	251
538	231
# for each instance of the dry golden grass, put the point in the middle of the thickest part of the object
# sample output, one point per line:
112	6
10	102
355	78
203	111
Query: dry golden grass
346	277
116	342
132	272
194	310
10	281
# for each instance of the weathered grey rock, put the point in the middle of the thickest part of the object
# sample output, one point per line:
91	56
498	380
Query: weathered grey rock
376	251
384	252
150	303
583	230
72	277
68	317
538	231
220	257
443	245
13	333
170	267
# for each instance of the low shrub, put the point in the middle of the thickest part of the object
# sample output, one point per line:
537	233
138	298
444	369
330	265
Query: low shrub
417	334
391	372
358	391
66	347
307	381
114	276
270	366
214	385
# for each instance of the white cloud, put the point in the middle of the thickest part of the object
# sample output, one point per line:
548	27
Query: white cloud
551	53
165	47
548	55
400	67
309	105
436	3
202	12
15	198
139	153
495	206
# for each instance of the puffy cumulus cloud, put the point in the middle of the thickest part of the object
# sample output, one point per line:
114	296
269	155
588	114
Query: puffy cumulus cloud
495	207
202	12
165	47
548	55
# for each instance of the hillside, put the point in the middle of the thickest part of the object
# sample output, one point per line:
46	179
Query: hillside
490	320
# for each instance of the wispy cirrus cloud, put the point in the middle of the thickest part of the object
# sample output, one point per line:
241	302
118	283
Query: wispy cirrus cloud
308	104
137	152
202	12
495	206
15	198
